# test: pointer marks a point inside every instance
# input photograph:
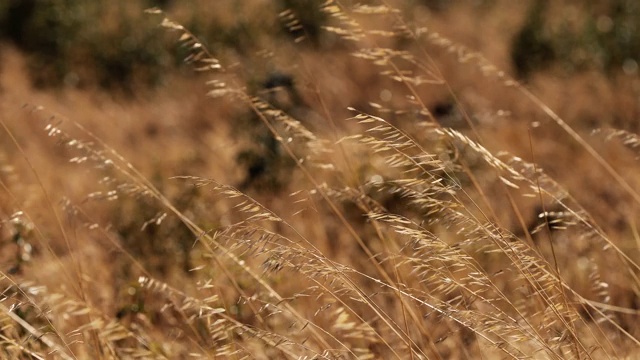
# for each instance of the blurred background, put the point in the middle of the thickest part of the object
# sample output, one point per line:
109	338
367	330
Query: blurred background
109	66
114	45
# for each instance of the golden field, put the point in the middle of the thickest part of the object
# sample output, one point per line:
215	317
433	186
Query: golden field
319	179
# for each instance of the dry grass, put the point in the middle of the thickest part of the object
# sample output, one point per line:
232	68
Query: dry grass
453	215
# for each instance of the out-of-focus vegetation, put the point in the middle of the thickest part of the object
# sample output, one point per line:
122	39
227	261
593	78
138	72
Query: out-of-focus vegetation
84	43
584	35
320	179
114	46
93	43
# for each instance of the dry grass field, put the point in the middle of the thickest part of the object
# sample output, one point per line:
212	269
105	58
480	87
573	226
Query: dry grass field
319	179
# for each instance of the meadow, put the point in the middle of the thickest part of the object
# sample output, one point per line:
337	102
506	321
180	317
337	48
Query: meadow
319	179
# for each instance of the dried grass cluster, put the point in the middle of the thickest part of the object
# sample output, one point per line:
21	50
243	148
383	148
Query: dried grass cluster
391	238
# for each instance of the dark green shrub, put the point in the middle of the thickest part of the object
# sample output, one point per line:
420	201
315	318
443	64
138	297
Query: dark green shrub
74	43
607	40
532	48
